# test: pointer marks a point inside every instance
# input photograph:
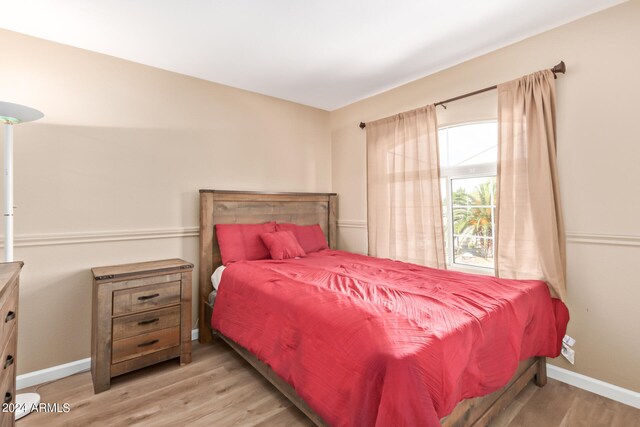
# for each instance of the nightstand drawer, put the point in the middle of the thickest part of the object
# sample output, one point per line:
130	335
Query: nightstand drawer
146	297
136	324
8	313
140	345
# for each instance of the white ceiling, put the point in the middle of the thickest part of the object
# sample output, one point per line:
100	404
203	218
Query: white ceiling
323	53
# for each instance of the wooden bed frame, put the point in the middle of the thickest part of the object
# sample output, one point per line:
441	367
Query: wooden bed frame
241	207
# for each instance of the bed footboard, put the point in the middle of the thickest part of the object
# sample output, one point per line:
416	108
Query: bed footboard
276	380
480	411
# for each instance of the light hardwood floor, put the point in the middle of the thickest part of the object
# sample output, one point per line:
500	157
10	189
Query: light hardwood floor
220	389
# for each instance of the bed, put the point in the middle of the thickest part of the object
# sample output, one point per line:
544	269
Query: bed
224	207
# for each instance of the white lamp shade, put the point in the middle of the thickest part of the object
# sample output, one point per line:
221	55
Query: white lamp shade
11	114
15	113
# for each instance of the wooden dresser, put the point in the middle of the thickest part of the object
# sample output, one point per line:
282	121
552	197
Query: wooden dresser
141	316
9	277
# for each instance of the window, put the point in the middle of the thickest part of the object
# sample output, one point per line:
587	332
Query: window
468	157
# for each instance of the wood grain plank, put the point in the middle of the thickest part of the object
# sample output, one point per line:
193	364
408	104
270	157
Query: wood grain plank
541	374
138	317
269	197
9	272
590	410
125	270
149	359
9	293
145	298
277	381
257	208
548	408
505	418
8	374
136	324
506	397
205	267
219	381
185	323
333	222
167	395
101	336
469	410
144	344
286	418
8	312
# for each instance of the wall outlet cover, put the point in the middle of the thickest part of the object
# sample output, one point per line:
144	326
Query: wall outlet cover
568	340
569	353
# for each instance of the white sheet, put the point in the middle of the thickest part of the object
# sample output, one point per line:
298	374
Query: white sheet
215	281
217	276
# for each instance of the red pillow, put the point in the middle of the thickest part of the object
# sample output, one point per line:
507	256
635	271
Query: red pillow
310	237
240	242
282	245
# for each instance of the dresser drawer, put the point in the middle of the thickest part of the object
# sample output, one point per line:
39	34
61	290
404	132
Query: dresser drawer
146	298
8	369
140	345
136	324
8	396
8	313
6	419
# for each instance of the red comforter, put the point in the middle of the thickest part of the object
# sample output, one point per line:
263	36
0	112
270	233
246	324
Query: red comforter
368	341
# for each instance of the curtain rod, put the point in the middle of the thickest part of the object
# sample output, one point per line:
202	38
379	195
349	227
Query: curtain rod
560	68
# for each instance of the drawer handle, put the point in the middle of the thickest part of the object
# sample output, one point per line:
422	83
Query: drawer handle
8	397
148	322
8	362
144	344
10	316
146	297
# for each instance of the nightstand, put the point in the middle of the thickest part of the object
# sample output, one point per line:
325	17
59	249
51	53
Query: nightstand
141	316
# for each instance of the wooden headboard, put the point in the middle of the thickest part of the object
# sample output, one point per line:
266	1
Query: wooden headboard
249	207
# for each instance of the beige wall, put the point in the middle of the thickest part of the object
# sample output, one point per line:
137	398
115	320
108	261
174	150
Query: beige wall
125	148
598	154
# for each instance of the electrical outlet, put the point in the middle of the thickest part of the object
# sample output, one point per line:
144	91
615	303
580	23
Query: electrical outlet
568	353
568	340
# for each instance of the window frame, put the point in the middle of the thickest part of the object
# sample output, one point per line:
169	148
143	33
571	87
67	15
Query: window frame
448	174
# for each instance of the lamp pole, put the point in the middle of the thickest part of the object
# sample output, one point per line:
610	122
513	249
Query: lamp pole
10	115
8	192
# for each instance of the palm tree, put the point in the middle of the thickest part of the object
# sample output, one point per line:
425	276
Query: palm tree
460	216
474	221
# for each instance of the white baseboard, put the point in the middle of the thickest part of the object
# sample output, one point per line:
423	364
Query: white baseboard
57	372
610	391
52	374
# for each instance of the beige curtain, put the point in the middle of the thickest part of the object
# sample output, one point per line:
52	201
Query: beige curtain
530	232
403	188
